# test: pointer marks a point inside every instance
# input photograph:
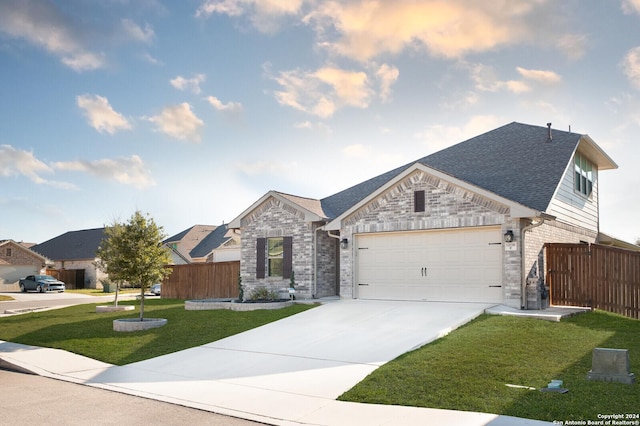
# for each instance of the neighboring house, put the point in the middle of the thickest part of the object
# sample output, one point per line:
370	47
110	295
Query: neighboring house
184	242
204	243
467	223
17	261
76	250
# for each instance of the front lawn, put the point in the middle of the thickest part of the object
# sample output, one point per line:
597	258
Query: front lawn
79	329
470	368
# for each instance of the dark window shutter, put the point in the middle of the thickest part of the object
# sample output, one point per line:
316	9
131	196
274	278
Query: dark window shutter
287	255
418	201
261	257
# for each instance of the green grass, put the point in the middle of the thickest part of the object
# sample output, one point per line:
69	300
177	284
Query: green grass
79	329
469	369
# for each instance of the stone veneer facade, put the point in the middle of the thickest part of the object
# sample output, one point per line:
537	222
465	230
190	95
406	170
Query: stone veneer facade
274	218
322	268
449	206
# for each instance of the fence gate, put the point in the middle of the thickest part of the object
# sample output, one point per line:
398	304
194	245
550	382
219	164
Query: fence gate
72	278
596	276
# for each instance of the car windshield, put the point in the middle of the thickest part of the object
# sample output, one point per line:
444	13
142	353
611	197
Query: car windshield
45	278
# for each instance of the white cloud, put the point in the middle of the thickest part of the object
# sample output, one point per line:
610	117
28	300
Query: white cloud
228	107
573	45
366	29
263	14
151	59
137	33
387	76
192	84
438	137
631	6
268	168
355	151
101	115
42	24
17	162
178	121
631	66
318	126
323	91
486	80
128	171
542	76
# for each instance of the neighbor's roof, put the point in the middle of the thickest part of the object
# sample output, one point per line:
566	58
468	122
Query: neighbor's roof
212	241
189	239
516	161
73	245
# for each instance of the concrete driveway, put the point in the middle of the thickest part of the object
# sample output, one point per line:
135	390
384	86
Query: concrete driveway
289	371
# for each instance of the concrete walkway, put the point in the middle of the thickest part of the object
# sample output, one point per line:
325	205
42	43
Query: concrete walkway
284	373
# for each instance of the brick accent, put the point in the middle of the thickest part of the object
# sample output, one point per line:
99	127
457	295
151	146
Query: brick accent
274	218
18	255
447	206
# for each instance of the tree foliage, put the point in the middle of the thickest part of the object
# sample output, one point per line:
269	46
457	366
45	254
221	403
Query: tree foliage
133	252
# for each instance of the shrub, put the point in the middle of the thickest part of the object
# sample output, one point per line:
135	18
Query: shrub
263	293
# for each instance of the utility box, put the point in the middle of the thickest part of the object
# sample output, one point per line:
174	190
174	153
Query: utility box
611	365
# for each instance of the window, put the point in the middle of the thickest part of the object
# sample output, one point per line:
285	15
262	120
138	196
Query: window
583	176
275	256
418	201
8	252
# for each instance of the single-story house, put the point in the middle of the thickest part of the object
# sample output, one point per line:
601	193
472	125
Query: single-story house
17	261
76	250
204	243
467	223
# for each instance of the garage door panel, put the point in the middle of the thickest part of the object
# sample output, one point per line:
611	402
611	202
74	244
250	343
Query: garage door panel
452	265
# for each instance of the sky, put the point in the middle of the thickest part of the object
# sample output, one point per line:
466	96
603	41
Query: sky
192	110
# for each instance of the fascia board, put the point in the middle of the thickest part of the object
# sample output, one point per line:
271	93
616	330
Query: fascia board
517	210
308	215
596	154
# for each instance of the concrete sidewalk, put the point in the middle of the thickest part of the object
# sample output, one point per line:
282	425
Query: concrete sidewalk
284	373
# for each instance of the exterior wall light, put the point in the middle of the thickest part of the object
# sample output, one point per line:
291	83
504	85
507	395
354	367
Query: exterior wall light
508	236
344	243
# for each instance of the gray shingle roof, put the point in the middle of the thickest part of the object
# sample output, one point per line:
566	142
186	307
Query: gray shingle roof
73	245
212	241
515	161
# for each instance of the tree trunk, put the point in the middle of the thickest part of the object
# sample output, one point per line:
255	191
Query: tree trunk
115	301
141	302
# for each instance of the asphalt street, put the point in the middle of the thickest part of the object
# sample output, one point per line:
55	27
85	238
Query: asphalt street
32	300
29	400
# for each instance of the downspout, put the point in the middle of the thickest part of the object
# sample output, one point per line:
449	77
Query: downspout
523	290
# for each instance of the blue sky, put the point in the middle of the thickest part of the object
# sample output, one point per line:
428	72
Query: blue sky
192	110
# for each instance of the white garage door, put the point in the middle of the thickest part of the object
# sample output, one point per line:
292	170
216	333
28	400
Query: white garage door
453	265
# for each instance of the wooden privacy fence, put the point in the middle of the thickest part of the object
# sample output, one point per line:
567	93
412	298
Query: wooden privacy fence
73	279
592	275
202	281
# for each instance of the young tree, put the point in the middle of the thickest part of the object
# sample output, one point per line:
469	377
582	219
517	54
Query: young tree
133	252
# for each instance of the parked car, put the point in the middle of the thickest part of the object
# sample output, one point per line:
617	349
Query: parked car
155	289
41	283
